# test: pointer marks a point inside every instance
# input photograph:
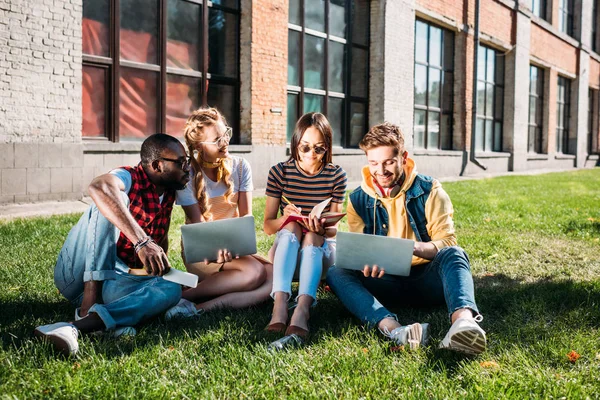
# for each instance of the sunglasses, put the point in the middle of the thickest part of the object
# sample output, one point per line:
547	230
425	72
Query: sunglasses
183	163
305	148
222	140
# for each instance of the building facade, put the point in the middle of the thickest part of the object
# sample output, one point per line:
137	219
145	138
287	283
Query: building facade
477	86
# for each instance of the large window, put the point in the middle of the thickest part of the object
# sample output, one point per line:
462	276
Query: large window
539	8
536	110
490	100
328	59
434	65
565	16
564	144
147	64
592	122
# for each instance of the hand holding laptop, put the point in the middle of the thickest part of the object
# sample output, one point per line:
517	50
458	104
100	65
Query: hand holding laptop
373	271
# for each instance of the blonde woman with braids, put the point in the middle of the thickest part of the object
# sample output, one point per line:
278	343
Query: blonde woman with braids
222	184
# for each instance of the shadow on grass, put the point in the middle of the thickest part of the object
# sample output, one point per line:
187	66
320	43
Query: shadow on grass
516	312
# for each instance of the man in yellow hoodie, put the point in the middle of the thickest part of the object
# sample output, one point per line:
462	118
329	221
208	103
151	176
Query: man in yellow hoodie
394	200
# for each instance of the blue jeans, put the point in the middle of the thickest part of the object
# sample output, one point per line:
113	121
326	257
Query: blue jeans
90	253
311	260
447	278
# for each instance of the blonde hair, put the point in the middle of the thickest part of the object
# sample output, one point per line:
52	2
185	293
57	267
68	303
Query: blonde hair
194	132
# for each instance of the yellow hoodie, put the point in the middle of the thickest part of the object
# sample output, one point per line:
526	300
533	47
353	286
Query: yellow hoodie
438	212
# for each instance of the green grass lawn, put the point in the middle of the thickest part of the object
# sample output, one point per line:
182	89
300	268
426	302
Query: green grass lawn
534	246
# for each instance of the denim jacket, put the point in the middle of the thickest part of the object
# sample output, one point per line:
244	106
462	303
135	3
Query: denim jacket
375	216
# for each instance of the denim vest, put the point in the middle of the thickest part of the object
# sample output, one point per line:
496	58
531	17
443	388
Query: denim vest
375	216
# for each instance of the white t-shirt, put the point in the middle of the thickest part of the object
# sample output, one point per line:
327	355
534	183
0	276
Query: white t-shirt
241	175
182	197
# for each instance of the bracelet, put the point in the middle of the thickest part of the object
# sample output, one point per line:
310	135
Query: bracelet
142	243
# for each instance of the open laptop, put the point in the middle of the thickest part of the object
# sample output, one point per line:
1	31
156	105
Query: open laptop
202	241
355	250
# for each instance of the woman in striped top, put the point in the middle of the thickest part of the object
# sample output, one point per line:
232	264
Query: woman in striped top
303	181
222	185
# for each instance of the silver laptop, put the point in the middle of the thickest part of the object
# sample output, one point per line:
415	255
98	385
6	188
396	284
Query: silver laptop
355	250
202	241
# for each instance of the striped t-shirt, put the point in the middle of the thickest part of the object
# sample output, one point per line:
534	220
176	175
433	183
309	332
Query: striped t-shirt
303	190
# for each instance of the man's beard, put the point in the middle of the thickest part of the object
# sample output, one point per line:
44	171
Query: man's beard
171	184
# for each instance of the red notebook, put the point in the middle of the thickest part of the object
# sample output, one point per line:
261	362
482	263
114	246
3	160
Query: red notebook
331	218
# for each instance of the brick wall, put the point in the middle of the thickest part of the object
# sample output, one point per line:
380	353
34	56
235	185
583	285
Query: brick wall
496	20
454	10
40	100
553	50
268	71
40	71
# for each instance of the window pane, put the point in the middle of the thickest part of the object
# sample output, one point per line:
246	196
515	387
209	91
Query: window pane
489	100
446	132
222	43
489	134
334	115
435	46
293	58
420	84
433	130
227	3
139	30
532	110
223	98
138	103
499	103
314	63
533	75
292	114
435	78
491	65
480	98
479	134
359	72
96	27
447	91
358	116
497	136
312	103
336	67
94	101
295	12
448	50
183	34
337	18
421	42
183	97
499	76
314	14
481	66
360	21
531	140
419	129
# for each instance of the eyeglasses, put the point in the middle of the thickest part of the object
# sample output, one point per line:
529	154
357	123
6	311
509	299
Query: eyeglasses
222	140
183	164
305	148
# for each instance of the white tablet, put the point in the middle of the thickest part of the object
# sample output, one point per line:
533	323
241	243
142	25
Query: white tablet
355	250
202	241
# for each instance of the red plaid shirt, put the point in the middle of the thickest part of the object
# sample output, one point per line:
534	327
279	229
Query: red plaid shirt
147	210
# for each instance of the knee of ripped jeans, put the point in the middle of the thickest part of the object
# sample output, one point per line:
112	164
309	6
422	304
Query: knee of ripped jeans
288	235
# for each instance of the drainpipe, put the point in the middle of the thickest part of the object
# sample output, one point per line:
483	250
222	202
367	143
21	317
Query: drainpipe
472	157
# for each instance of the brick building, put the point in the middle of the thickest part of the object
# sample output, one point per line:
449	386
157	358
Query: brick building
478	86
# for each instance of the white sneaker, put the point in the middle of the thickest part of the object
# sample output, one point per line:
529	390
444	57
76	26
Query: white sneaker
62	335
183	309
123	331
465	336
414	335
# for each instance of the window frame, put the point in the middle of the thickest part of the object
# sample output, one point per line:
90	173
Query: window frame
566	16
543	8
114	63
563	131
494	118
535	140
347	97
445	72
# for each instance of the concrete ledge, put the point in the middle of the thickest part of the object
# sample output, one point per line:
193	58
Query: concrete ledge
13	211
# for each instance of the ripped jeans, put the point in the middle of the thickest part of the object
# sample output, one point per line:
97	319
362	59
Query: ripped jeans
313	263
